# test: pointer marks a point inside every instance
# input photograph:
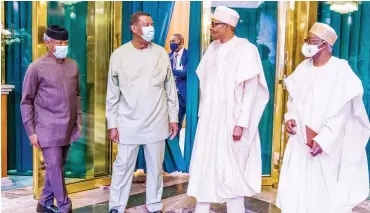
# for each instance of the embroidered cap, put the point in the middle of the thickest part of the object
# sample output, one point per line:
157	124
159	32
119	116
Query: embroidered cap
325	32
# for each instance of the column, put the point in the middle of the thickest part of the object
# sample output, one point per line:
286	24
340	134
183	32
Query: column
5	90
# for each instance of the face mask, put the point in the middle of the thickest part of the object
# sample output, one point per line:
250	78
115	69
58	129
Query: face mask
309	50
174	46
60	52
148	33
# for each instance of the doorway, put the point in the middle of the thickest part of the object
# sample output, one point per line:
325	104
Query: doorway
93	35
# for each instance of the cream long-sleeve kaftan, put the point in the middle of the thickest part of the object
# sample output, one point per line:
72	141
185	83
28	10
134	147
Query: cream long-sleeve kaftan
233	92
141	94
328	99
141	101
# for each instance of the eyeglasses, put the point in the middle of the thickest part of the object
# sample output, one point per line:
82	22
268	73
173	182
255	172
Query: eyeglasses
310	40
215	24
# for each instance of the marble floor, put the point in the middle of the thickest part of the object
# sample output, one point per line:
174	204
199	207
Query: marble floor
174	198
17	181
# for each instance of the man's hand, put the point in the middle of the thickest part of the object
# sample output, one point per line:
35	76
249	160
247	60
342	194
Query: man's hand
113	135
34	141
237	133
289	126
174	128
316	149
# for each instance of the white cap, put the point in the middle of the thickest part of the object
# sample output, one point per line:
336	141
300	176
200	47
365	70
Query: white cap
226	15
325	32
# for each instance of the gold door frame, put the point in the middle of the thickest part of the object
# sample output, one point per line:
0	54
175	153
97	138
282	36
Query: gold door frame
294	20
300	15
39	24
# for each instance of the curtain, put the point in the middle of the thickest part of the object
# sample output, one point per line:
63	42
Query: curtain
266	41
161	13
259	26
18	20
353	43
192	93
73	18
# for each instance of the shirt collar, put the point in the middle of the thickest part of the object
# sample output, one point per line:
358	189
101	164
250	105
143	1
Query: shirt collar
180	52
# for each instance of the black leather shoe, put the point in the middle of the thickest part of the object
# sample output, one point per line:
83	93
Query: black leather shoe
47	209
113	211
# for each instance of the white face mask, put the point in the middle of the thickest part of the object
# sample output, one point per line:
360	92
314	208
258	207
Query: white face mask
148	33
60	52
309	50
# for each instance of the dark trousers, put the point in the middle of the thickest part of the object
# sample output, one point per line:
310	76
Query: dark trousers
182	112
54	185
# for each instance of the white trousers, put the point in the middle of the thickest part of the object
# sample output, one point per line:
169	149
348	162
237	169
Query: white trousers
123	171
235	205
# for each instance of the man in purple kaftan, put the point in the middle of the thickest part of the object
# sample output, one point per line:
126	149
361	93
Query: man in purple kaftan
51	113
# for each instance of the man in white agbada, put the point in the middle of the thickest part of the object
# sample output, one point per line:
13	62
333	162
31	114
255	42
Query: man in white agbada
325	166
226	160
142	109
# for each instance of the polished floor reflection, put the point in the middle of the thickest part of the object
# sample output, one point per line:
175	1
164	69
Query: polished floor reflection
183	204
174	197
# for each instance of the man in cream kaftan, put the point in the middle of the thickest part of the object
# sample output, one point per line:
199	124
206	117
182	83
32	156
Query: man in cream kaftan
234	93
327	99
142	109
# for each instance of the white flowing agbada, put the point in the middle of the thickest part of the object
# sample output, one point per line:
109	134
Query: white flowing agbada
328	99
233	92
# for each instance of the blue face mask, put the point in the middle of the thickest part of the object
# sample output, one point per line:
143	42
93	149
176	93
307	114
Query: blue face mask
148	33
174	46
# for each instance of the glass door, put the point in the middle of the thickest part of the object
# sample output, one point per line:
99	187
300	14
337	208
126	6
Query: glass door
92	37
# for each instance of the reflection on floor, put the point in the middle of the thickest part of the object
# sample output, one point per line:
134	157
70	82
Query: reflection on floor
24	181
17	182
174	197
176	201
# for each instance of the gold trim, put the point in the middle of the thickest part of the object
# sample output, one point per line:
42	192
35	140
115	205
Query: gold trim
88	184
206	27
279	94
301	15
102	48
117	41
117	24
91	38
39	11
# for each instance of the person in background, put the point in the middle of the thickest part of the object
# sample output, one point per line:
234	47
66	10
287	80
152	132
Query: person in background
51	114
179	64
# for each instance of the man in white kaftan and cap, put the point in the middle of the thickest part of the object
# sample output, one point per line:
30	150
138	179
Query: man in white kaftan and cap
226	160
325	166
